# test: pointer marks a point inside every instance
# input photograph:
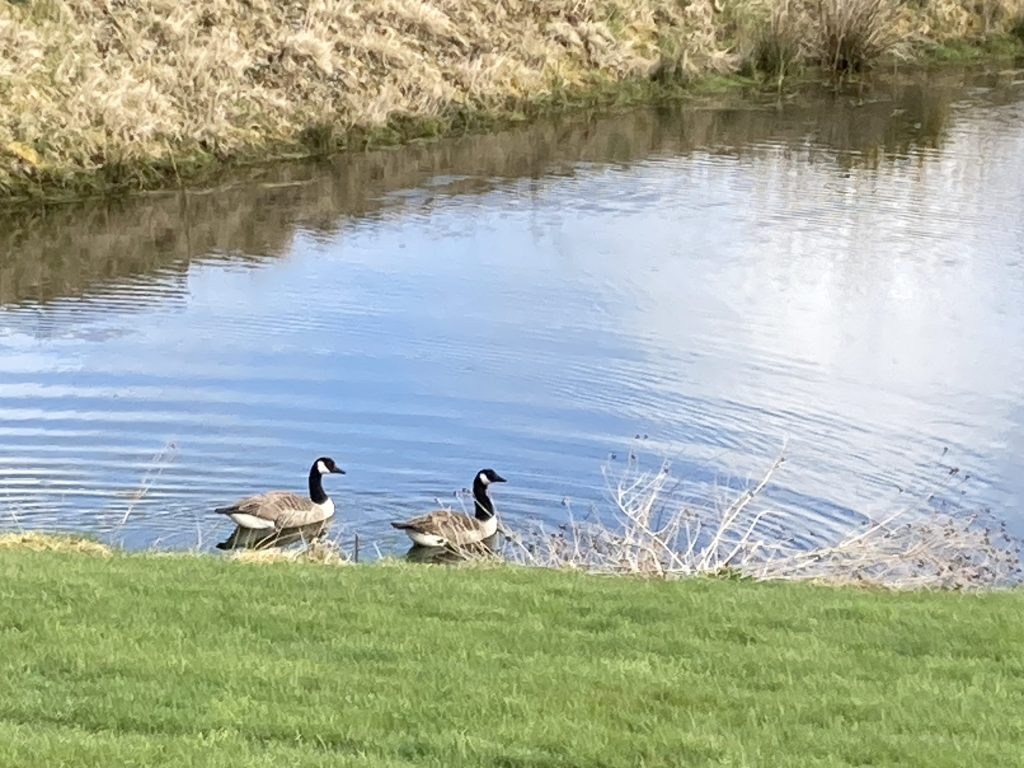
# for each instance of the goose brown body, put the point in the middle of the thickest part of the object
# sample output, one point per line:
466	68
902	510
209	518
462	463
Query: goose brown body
444	528
279	509
282	510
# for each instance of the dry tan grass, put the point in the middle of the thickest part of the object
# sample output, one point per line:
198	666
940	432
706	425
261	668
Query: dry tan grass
113	87
849	34
323	552
44	542
91	83
852	33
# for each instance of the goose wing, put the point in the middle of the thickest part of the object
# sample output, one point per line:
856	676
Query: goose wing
452	526
278	509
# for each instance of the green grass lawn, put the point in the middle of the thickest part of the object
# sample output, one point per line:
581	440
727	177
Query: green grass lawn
147	660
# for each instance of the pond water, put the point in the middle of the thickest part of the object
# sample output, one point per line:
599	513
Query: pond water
839	272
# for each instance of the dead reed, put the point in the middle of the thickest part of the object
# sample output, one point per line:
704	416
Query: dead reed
853	33
655	530
777	36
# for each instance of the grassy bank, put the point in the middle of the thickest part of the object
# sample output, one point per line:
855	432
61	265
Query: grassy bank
104	96
145	660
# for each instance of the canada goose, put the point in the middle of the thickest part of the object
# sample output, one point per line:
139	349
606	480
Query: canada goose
445	528
279	510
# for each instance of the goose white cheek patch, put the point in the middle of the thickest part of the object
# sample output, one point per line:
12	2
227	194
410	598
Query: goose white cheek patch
322	468
483	479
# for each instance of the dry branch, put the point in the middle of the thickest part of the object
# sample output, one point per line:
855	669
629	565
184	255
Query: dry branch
655	532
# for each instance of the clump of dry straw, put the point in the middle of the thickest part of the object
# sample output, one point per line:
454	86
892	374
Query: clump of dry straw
655	530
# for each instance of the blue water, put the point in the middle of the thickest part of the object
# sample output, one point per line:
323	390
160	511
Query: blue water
840	274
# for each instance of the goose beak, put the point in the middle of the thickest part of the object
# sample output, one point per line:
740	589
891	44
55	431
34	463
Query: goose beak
337	471
499	479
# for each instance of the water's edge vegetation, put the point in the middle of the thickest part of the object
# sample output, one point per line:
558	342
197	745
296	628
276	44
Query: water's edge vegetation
653	530
655	527
108	97
182	660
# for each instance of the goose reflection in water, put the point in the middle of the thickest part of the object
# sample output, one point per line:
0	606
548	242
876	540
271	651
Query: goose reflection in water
250	538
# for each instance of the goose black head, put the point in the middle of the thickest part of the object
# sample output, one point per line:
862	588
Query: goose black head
482	502
487	476
325	466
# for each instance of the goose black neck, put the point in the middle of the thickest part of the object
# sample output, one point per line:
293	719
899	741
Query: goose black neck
483	505
316	486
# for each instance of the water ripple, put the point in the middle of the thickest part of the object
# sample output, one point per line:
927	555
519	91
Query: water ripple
844	275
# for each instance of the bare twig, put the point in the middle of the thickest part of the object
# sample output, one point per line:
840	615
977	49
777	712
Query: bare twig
657	534
157	465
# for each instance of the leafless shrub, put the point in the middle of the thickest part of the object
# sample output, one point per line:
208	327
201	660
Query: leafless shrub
654	533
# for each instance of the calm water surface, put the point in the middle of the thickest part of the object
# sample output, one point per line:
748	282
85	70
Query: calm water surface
845	272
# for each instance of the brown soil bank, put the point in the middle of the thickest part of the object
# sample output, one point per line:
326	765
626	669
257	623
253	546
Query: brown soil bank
104	95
